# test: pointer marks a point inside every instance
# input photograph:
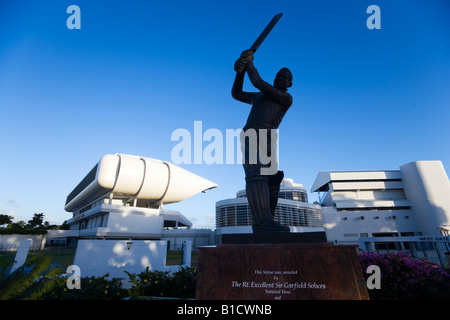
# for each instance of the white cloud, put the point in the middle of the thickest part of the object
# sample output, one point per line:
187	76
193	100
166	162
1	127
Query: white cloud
12	202
206	221
10	207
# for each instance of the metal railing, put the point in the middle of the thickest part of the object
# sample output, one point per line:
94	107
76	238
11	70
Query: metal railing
60	255
434	249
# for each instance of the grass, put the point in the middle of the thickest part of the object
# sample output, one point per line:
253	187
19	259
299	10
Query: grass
58	255
174	258
8	255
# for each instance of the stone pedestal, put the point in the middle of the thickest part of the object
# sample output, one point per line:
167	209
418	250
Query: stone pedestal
274	237
279	272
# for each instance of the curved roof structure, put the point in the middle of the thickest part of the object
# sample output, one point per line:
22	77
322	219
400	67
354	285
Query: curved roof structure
135	178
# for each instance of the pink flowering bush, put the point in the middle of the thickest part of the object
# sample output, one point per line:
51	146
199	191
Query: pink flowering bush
404	278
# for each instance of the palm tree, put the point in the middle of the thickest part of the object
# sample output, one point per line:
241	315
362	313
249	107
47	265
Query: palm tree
31	281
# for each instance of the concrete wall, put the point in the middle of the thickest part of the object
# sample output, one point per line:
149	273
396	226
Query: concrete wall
98	257
13	240
427	186
135	223
347	227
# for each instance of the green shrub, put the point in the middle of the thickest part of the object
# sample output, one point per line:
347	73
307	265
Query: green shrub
180	284
184	282
91	288
150	283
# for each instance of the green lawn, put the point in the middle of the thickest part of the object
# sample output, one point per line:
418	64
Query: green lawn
59	255
174	258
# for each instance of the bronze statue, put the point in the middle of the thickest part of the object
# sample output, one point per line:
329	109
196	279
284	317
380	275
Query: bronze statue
268	109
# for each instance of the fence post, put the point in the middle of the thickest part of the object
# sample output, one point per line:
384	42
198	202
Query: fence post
439	253
21	255
186	253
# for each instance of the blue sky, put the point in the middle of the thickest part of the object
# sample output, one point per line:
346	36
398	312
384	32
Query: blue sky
138	70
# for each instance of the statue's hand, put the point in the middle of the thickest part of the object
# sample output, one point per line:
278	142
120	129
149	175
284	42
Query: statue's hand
244	59
247	55
239	65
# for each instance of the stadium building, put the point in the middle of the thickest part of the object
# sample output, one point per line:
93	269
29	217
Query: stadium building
293	210
123	197
412	201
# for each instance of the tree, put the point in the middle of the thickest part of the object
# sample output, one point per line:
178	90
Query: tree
5	219
17	225
64	226
37	221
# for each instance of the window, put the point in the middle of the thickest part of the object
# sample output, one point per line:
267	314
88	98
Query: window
385	234
350	235
83	184
242	215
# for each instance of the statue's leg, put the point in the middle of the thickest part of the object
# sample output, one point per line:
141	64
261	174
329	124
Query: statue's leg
274	190
257	190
